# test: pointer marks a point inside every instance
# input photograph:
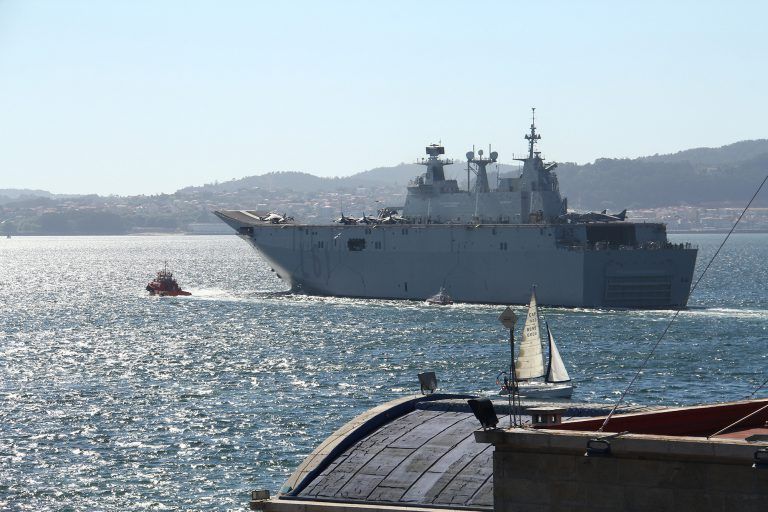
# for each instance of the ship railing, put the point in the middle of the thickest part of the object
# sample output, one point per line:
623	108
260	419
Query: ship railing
667	245
604	246
570	246
425	161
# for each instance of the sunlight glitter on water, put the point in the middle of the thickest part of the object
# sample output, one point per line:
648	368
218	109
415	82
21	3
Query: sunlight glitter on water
110	398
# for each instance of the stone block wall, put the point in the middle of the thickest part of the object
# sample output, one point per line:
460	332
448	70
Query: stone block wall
560	482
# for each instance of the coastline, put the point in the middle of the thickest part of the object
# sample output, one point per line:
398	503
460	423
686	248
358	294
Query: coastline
717	231
714	231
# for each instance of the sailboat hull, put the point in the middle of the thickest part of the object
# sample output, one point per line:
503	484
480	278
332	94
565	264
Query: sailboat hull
544	390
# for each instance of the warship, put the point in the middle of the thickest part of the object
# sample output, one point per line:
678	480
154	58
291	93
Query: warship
481	245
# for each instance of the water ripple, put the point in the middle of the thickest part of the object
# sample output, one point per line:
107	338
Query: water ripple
112	399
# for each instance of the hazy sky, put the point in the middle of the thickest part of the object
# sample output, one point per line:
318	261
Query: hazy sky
150	96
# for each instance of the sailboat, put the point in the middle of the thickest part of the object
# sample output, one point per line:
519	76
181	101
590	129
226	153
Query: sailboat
529	366
441	298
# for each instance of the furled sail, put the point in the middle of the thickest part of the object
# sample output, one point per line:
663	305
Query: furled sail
530	359
556	371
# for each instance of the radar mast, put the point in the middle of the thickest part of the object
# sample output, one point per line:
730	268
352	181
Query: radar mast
434	163
481	182
533	136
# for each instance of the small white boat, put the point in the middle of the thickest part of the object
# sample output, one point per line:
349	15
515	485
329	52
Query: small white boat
441	298
529	365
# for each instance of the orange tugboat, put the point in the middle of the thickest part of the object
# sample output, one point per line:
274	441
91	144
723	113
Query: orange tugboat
165	285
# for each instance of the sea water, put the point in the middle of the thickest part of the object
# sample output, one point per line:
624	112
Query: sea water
112	399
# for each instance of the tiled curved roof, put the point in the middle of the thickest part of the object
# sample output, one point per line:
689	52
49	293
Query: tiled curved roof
425	456
415	451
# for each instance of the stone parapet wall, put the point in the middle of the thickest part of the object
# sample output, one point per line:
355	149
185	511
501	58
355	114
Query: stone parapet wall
533	482
537	471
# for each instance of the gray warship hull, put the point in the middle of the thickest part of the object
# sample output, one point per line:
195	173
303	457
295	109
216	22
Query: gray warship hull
480	244
477	263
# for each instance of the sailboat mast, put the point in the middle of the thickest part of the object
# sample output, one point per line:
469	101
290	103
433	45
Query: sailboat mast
538	322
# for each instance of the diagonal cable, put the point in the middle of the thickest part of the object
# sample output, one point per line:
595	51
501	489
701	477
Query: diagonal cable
677	312
758	389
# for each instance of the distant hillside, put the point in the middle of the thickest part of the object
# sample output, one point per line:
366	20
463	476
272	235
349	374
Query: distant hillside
724	176
739	151
13	194
397	177
305	182
702	178
291	180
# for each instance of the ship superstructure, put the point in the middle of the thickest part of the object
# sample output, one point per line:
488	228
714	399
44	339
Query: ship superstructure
533	197
480	244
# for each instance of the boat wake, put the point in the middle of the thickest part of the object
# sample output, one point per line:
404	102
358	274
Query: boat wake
210	293
729	312
219	294
703	312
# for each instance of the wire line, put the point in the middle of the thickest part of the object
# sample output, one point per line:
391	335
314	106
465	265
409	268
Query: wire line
677	312
758	388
